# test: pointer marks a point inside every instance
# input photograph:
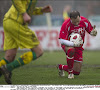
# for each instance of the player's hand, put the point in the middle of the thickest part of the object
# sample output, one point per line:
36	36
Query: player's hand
94	31
78	44
26	18
47	9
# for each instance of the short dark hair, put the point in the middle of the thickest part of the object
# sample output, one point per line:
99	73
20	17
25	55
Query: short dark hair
74	14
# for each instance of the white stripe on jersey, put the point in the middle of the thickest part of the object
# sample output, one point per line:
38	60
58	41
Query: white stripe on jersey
86	24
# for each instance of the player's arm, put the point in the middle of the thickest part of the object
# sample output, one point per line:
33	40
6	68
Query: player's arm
90	29
41	10
69	43
21	10
94	31
19	6
37	11
66	42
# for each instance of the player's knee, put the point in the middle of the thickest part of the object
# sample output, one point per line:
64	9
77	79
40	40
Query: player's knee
71	52
76	73
10	57
40	52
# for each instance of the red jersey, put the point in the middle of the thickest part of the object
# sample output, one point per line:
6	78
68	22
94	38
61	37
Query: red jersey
68	28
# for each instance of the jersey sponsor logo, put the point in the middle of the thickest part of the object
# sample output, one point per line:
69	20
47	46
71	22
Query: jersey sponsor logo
81	31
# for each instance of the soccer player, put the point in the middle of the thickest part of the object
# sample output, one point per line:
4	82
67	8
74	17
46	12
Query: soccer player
73	50
17	34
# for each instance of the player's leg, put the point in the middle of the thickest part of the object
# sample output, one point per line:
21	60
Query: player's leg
38	51
78	59
60	67
77	68
34	45
9	57
10	54
30	41
70	51
26	58
9	44
70	57
70	61
60	70
22	60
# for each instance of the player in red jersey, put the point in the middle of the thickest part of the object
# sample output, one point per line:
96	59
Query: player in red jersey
75	24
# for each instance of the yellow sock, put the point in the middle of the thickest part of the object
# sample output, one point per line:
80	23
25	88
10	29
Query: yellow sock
22	60
3	62
28	57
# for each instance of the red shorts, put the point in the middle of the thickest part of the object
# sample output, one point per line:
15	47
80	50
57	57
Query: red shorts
78	56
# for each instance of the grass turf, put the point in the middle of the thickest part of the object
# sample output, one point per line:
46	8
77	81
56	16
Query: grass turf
44	71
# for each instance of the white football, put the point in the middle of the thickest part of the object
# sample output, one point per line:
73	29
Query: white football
75	37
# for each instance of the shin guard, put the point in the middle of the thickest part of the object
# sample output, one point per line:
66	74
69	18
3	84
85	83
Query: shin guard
70	58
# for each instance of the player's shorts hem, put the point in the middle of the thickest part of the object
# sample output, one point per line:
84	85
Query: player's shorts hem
77	61
10	48
30	47
22	47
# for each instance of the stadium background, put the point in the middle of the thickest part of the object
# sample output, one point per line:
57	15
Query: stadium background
86	7
47	32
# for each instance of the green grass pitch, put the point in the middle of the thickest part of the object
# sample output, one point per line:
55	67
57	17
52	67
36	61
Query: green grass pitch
44	71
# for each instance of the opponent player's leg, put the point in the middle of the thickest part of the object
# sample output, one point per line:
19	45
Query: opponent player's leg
22	60
26	58
24	42
38	51
10	54
9	57
10	44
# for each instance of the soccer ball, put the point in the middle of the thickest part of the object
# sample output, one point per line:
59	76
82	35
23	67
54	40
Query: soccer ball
75	37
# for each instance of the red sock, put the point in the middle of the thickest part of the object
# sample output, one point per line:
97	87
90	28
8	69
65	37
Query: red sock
60	66
65	68
70	63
